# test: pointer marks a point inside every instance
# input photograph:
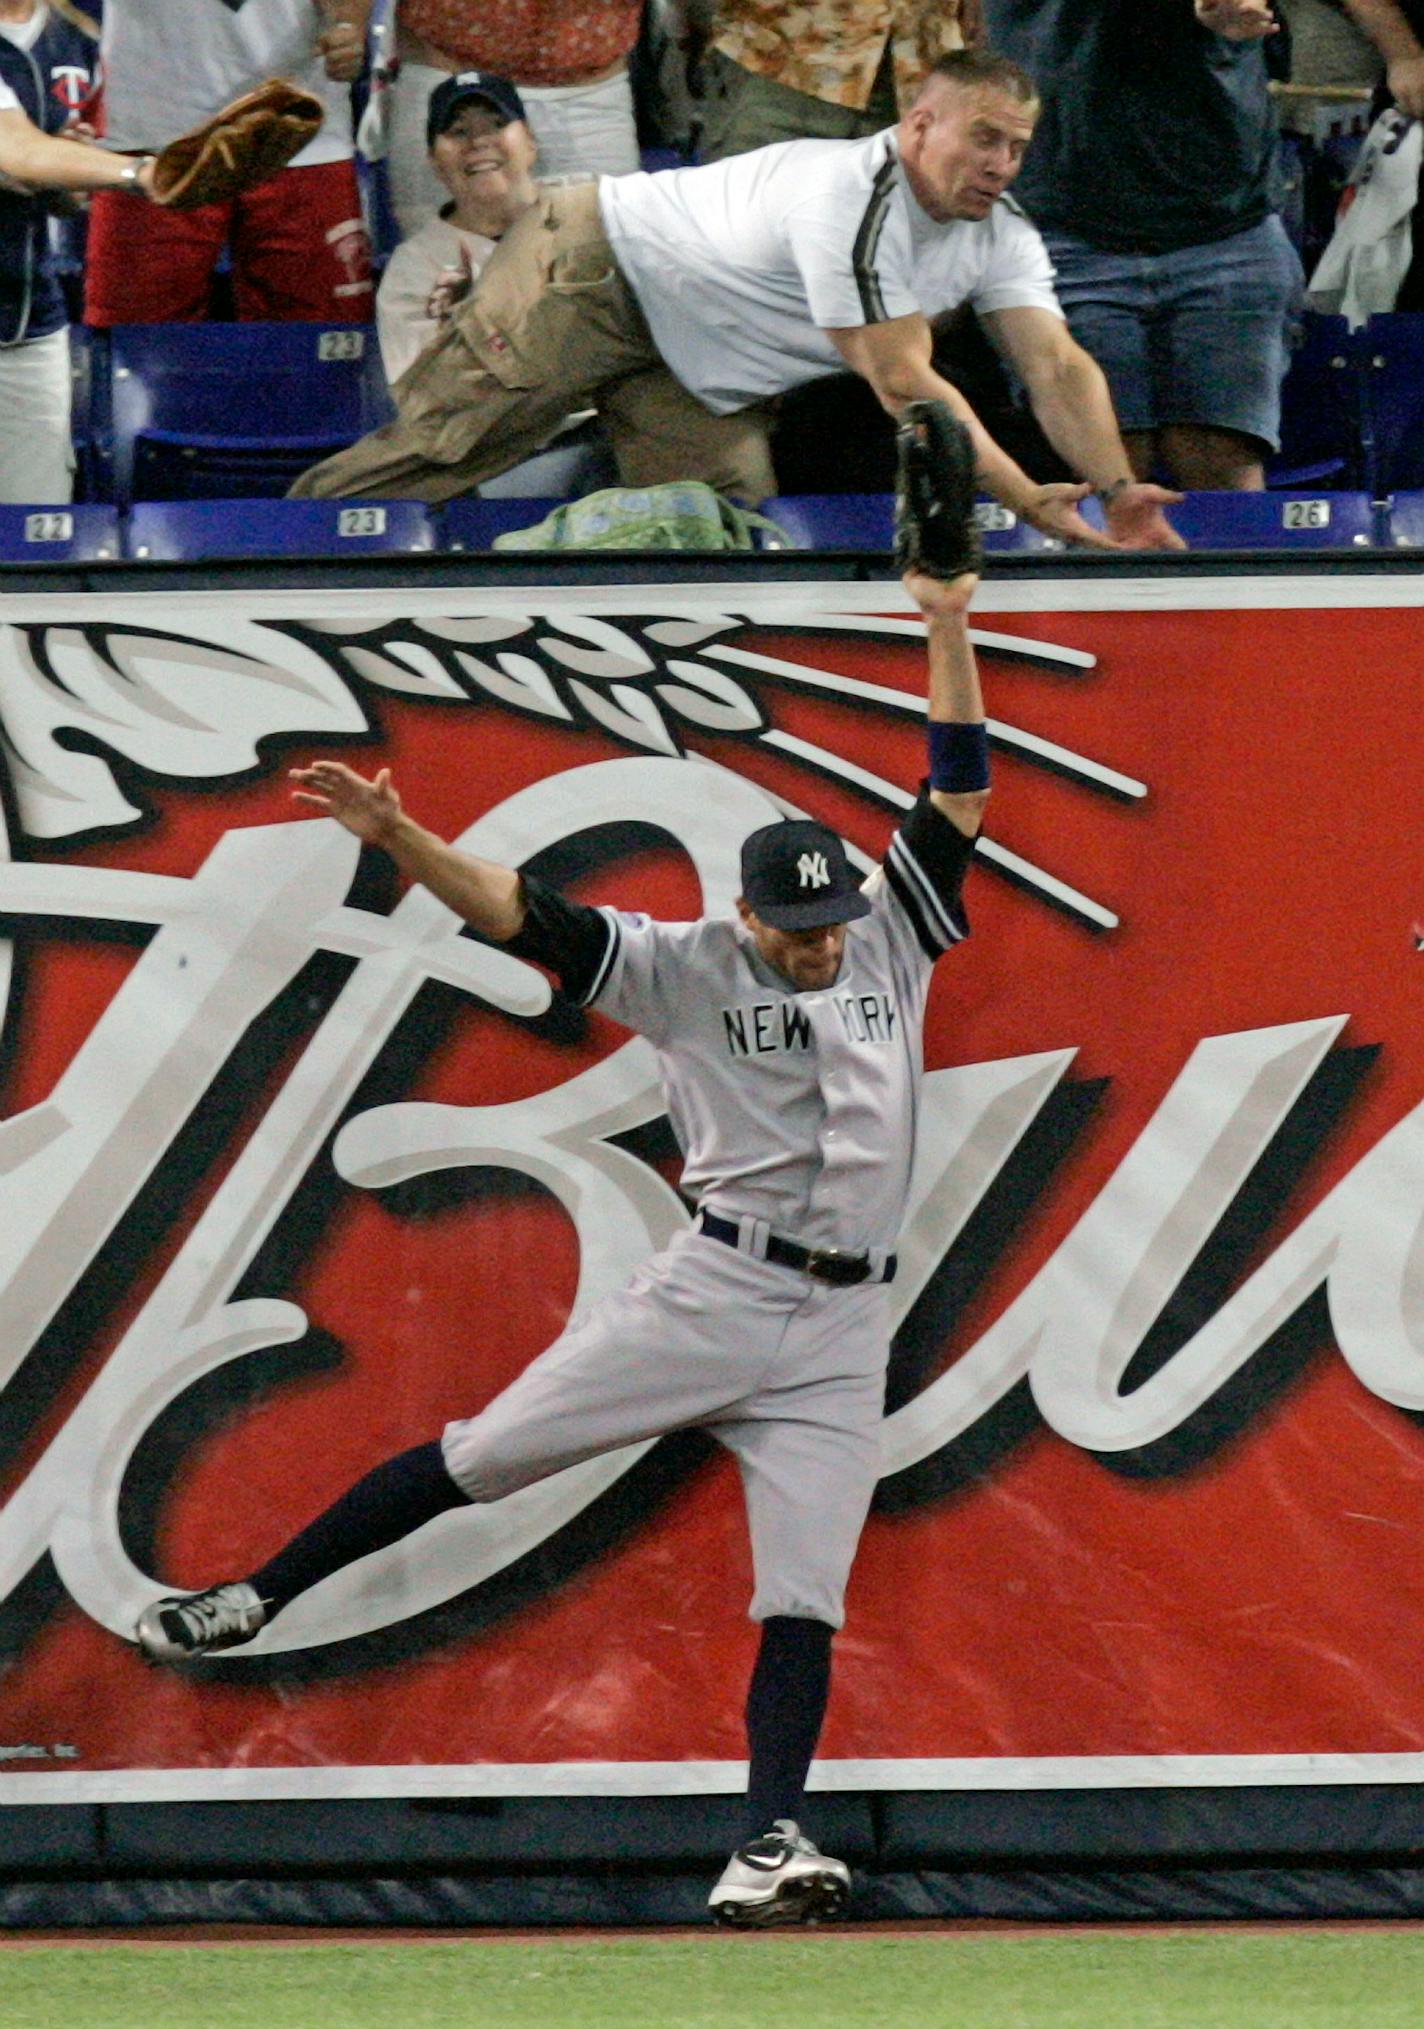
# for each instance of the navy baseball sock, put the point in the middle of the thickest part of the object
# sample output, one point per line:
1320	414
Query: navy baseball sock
388	1503
786	1704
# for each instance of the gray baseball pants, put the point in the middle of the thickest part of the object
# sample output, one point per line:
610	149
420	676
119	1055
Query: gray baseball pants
788	1373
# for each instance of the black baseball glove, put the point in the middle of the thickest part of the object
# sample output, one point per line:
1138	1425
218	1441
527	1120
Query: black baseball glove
935	530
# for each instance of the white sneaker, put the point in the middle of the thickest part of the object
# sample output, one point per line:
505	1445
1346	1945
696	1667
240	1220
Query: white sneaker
175	1629
780	1878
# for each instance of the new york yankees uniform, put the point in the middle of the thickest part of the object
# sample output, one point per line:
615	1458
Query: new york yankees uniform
796	1113
790	1040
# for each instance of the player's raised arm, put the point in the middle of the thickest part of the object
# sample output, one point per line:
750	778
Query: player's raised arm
937	547
489	897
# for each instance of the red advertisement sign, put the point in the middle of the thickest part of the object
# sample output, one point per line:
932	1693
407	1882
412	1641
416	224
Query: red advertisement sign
292	1172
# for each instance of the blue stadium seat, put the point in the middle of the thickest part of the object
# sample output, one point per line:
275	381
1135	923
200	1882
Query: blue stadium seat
187	530
220	411
1393	362
1323	421
1279	521
578	462
79	535
472	524
834	521
1002	532
1404	515
866	521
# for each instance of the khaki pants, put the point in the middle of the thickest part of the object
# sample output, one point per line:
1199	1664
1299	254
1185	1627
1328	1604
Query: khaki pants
550	326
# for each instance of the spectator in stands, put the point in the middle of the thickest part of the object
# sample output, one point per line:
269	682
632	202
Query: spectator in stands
682	303
1396	28
1151	178
297	243
831	70
483	153
569	59
48	73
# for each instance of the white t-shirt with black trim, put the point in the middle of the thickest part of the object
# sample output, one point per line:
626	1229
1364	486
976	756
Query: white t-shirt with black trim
170	64
741	267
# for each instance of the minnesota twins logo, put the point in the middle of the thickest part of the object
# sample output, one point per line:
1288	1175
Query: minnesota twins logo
71	84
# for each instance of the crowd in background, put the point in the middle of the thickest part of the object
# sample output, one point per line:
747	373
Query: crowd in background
1155	175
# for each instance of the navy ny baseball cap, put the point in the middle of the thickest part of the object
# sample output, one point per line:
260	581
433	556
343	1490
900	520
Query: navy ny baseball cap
465	86
796	876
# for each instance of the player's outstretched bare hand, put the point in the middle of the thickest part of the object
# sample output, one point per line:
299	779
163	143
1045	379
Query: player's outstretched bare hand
370	809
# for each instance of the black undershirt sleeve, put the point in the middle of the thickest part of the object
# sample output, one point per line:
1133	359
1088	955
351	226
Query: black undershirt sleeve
569	938
926	865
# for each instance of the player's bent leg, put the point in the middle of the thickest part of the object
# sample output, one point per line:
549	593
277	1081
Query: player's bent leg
390	1502
587	1394
655	1357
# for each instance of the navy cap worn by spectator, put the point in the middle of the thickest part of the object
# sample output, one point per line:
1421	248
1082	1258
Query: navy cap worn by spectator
465	86
795	876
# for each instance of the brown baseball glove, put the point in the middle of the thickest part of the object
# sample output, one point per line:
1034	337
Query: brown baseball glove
248	141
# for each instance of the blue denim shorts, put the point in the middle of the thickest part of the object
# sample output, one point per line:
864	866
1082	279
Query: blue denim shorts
1195	336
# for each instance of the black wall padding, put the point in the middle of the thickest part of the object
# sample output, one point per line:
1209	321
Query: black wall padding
612	1900
937	1829
38	1838
563	1835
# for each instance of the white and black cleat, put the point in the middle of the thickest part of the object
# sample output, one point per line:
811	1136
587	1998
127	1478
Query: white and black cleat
780	1878
176	1629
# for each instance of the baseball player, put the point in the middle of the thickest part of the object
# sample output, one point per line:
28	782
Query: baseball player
790	1041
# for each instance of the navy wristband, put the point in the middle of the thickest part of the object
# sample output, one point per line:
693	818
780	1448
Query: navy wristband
959	757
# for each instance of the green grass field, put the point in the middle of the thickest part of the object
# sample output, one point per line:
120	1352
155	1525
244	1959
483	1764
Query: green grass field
1207	1979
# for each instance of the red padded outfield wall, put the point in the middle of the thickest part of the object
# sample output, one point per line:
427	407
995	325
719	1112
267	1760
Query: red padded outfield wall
290	1173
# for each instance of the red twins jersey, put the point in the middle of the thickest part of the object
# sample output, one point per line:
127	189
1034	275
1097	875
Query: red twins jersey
799	1108
169	66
